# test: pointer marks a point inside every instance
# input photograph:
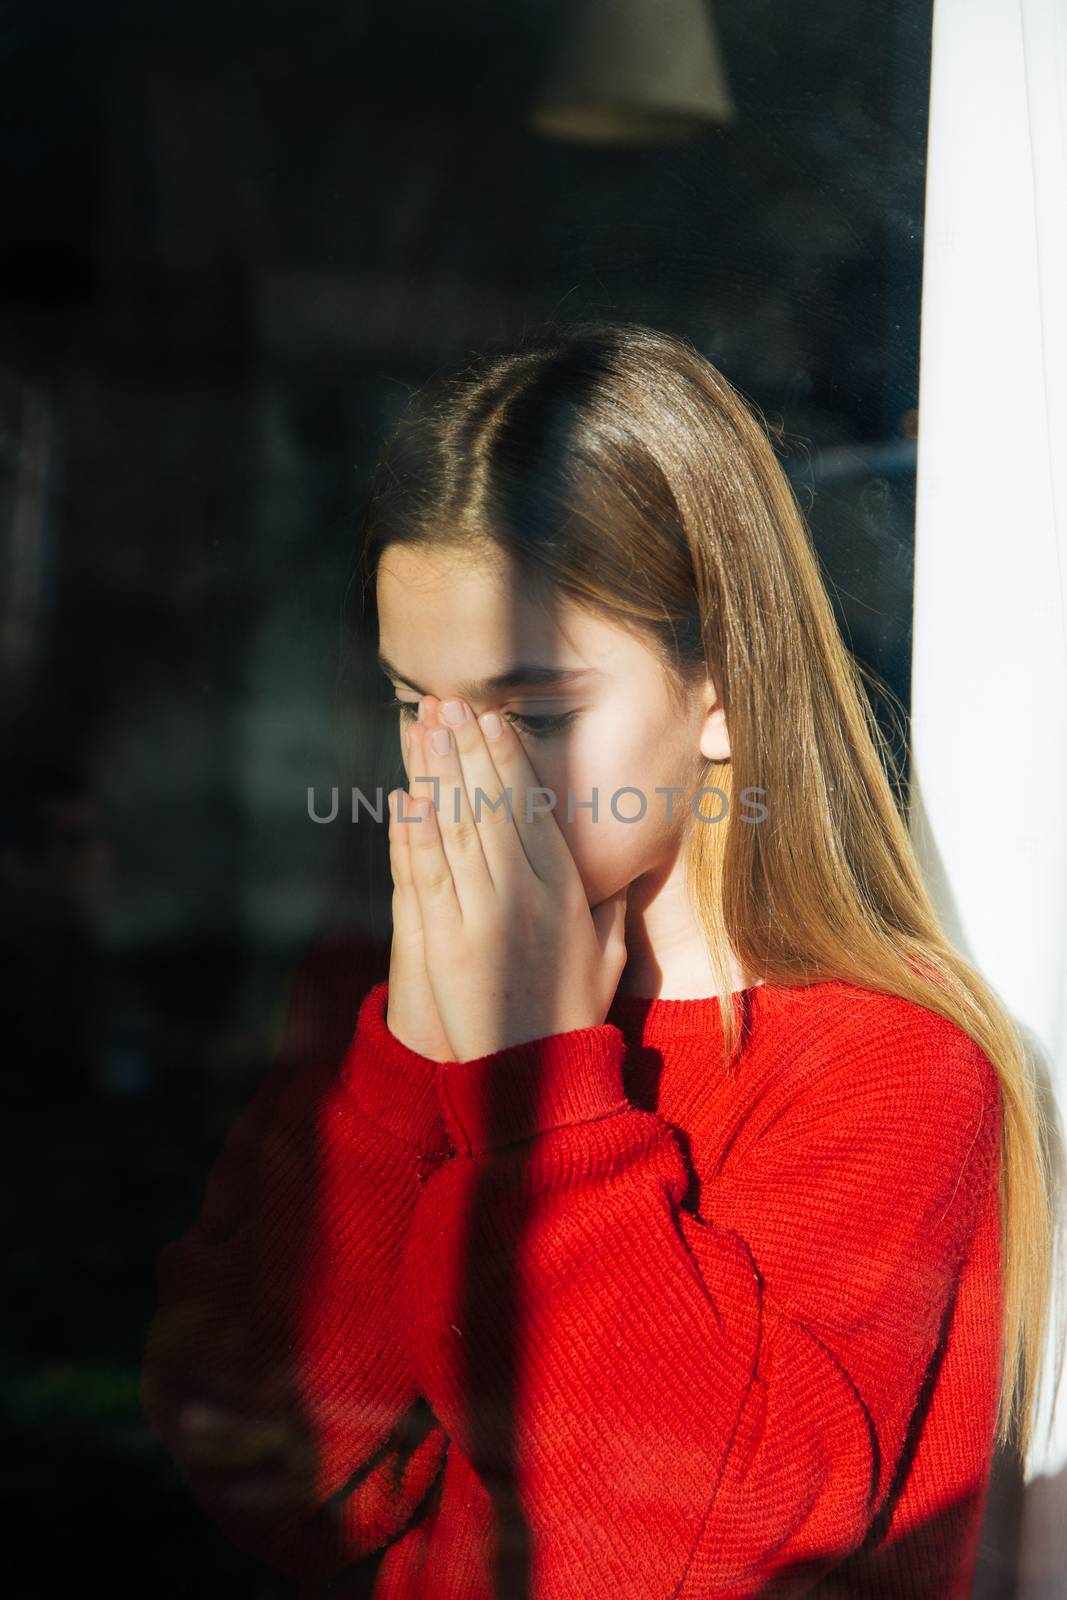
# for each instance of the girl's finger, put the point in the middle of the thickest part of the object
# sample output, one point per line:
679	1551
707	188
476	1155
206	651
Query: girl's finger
439	905
454	820
399	860
407	918
488	802
532	815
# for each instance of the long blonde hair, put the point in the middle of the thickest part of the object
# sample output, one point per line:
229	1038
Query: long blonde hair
616	466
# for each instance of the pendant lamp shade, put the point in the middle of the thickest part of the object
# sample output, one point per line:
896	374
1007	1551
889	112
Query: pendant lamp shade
634	72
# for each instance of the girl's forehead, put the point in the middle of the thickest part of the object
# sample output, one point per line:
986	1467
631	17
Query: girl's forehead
443	622
476	604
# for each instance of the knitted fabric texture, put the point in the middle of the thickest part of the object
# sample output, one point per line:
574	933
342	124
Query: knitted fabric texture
594	1317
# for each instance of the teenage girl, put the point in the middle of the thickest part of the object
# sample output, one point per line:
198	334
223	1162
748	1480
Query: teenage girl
675	1221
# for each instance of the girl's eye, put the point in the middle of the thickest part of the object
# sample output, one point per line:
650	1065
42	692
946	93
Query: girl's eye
537	727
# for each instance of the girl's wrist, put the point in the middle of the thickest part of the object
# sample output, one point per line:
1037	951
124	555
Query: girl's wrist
393	1085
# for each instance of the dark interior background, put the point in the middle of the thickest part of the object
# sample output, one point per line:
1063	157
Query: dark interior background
232	239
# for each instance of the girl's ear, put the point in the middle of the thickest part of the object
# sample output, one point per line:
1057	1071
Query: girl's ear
714	736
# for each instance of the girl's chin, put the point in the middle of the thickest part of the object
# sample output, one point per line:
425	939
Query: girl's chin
598	891
594	891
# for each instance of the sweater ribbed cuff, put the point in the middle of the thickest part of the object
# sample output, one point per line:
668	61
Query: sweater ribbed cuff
530	1088
392	1085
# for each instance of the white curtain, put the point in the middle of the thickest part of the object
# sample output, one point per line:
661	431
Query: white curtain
989	671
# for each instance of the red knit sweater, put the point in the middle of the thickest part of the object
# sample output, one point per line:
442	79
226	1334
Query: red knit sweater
591	1317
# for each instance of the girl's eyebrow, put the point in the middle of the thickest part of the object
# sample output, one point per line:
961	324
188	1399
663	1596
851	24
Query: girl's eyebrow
521	676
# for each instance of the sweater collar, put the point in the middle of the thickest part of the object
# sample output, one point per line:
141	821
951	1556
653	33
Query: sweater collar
656	1020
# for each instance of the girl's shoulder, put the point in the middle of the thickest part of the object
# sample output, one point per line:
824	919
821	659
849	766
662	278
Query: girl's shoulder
840	1031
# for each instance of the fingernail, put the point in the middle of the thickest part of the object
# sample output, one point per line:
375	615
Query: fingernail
454	711
491	725
441	740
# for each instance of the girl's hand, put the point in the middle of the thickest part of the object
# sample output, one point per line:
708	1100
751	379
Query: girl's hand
513	951
411	1013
